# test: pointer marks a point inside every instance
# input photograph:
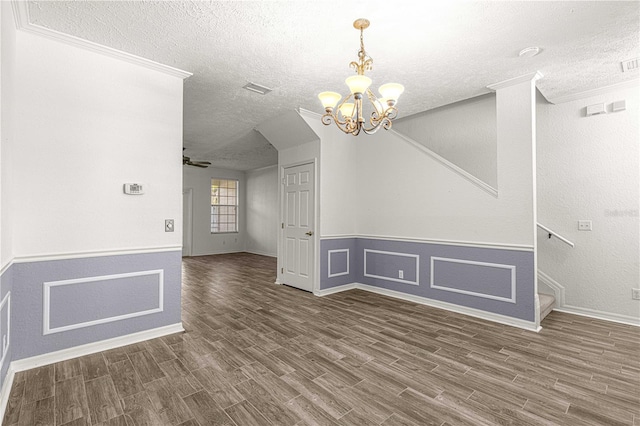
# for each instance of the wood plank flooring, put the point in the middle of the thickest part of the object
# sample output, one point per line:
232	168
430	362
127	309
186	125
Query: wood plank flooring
256	353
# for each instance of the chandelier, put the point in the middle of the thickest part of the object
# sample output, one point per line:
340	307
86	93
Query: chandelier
348	116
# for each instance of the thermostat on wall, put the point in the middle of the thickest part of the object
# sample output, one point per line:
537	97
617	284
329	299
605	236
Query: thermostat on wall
133	188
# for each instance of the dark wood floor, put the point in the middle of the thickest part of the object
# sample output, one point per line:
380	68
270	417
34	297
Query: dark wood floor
260	354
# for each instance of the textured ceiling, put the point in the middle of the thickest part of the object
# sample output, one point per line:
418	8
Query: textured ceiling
442	51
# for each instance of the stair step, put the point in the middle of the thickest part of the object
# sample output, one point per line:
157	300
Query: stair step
547	303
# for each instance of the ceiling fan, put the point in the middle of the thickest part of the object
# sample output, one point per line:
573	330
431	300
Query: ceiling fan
186	161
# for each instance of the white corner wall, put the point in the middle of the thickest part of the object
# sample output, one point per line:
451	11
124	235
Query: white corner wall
7	83
203	241
262	211
338	178
88	123
588	169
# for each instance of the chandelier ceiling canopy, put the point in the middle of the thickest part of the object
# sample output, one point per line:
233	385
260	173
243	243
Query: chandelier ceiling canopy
349	114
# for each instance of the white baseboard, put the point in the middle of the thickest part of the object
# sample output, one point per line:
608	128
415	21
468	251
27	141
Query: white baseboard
336	289
476	313
593	313
5	391
261	253
77	351
90	348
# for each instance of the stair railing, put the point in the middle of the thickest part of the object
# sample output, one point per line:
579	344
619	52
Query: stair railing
552	233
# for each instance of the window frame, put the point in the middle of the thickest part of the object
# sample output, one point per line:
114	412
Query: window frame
236	205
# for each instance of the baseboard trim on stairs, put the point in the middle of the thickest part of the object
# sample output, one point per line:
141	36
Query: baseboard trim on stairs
559	291
557	288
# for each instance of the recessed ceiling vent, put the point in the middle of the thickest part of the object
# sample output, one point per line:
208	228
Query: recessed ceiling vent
253	87
630	65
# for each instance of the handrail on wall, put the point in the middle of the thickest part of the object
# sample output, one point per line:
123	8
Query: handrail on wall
555	234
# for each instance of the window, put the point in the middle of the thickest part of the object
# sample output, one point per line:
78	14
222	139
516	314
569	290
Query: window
224	206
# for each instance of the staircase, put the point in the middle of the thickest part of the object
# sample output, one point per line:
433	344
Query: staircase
547	302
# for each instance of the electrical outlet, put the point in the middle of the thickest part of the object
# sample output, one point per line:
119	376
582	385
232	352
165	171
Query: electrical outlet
401	274
584	225
168	225
635	293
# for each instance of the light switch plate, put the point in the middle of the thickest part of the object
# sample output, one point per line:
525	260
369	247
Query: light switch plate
584	225
168	225
596	109
618	106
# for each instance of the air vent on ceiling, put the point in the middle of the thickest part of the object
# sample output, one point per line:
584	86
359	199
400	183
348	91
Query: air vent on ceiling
630	65
253	87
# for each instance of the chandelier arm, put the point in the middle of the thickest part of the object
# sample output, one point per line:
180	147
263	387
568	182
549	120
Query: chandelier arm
391	113
336	115
376	116
384	123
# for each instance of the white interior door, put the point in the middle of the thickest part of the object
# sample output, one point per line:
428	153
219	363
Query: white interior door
298	220
187	200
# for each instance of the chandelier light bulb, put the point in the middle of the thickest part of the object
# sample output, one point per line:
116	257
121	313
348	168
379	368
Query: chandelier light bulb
329	99
347	110
358	83
391	91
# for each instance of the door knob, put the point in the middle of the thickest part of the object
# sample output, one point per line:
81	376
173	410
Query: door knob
310	233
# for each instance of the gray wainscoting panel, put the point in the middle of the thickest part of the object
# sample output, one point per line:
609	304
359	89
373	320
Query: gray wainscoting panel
485	288
480	279
337	262
6	344
82	302
392	266
127	304
494	280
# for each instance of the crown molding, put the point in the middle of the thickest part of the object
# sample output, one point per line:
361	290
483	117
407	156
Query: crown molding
516	80
630	84
20	13
21	17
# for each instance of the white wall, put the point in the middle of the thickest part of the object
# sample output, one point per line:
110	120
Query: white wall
7	82
204	242
263	211
86	124
338	178
404	193
463	133
588	168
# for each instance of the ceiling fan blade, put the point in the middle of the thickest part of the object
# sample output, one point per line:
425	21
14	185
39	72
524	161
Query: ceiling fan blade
187	161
